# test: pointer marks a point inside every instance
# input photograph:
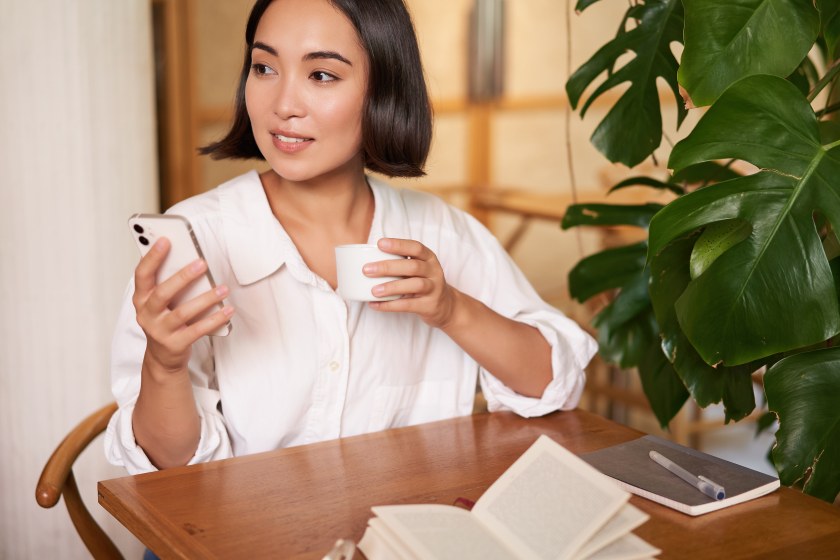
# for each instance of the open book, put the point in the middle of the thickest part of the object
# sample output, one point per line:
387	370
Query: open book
630	464
548	505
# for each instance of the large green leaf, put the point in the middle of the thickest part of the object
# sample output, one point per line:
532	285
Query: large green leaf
774	291
804	391
627	331
830	20
632	129
609	215
733	385
726	40
606	270
629	336
662	386
626	327
716	239
704	173
583	4
632	300
642	181
829	131
835	271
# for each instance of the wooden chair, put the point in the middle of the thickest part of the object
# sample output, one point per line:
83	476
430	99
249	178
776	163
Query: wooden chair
57	480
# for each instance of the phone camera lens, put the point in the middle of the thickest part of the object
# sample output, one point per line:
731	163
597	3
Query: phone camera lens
139	229
143	240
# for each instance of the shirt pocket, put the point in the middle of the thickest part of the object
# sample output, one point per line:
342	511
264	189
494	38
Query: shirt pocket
406	405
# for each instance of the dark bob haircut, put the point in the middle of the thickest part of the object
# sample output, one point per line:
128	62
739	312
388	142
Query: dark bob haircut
397	117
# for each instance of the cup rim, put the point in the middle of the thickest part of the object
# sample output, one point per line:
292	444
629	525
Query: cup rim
357	246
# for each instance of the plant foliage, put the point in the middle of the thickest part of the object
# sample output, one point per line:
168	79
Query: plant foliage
633	127
726	40
803	392
740	271
628	334
724	312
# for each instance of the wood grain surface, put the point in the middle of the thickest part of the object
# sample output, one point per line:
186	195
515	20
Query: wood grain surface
295	502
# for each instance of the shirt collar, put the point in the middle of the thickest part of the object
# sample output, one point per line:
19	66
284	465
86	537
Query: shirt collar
258	245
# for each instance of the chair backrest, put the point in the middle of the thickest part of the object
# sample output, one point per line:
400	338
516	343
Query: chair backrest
57	480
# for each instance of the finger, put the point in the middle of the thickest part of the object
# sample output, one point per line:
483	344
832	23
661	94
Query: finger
185	312
402	305
169	288
414	286
183	336
144	274
405	247
207	325
397	267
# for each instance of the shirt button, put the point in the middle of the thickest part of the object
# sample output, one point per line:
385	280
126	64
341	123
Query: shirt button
334	365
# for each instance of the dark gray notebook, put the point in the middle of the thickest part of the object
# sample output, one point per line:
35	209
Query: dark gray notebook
630	464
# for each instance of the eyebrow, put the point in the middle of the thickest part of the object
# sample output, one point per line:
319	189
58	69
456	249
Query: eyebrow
327	54
316	55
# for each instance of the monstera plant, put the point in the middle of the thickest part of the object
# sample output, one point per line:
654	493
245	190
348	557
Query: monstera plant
741	271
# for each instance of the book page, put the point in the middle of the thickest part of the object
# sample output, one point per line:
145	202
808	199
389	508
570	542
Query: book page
628	518
628	547
437	531
376	544
549	502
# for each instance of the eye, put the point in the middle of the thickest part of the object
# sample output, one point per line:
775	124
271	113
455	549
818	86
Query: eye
321	76
261	69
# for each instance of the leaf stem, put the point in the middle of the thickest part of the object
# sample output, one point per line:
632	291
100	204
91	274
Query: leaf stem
829	76
826	110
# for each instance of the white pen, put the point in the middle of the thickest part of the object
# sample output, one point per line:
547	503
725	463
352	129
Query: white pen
708	487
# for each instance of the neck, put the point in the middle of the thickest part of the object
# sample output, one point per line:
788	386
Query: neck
339	206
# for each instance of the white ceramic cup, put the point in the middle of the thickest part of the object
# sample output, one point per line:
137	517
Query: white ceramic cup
353	285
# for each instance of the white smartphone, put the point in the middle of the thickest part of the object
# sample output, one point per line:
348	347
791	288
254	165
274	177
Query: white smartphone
146	229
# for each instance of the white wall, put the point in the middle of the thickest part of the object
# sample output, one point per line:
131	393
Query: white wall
77	156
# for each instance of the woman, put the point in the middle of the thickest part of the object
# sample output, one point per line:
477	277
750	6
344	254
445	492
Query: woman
328	89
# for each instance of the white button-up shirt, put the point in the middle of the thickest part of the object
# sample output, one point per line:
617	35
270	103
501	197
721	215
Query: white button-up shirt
302	365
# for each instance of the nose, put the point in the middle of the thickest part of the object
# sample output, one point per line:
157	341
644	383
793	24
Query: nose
288	102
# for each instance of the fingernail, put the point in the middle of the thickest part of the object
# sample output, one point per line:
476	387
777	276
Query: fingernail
227	310
377	290
384	243
221	291
197	266
369	268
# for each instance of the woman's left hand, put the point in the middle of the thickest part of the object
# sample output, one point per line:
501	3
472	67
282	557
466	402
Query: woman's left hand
423	287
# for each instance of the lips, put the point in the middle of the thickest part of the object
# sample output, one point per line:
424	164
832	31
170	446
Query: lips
289	142
289	137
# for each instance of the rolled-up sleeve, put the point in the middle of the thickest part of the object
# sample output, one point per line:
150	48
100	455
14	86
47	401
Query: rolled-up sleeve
572	348
127	350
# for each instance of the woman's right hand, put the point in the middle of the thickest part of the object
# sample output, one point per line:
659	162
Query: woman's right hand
168	334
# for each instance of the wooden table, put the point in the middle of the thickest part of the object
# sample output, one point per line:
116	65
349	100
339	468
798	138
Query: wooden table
295	502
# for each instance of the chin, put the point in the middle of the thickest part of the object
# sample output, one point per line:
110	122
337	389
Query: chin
295	170
302	171
294	176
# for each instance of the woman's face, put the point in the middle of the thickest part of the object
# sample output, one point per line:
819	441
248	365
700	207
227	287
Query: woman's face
306	90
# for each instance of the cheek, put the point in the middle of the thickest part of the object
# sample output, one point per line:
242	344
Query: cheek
257	101
355	125
351	115
250	102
